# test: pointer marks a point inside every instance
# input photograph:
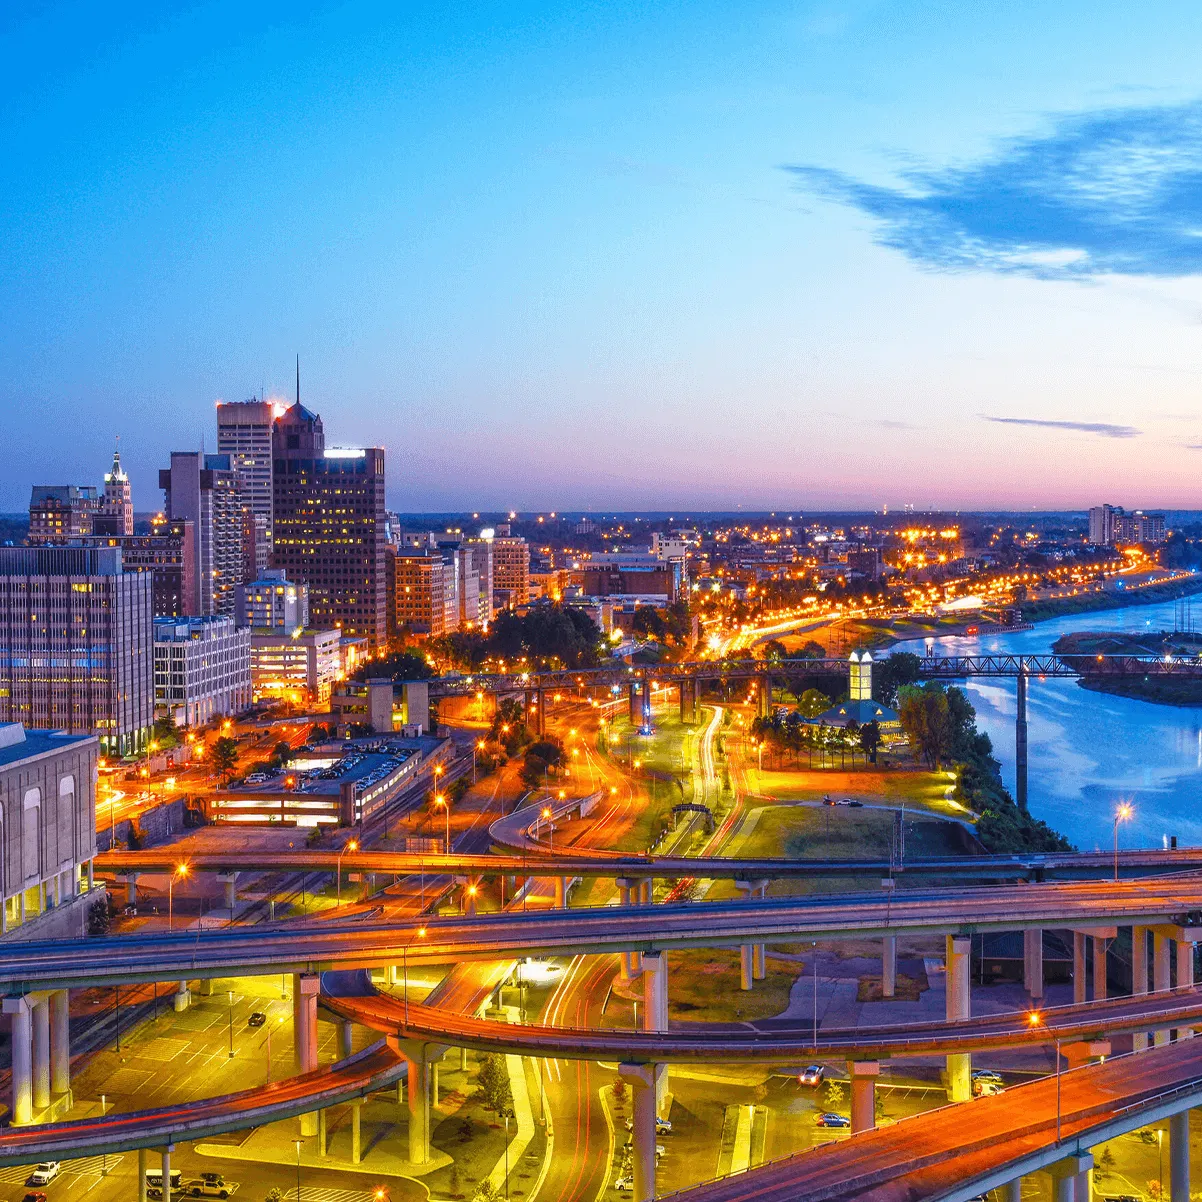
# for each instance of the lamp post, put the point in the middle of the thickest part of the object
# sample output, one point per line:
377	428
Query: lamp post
351	845
440	800
1122	814
231	1012
547	818
297	1142
180	872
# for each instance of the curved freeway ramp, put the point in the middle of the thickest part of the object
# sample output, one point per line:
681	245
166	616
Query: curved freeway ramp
955	1153
373	1068
772	1042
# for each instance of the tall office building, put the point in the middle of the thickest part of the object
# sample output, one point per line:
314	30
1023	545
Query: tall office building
1112	525
417	594
510	572
203	490
117	509
76	644
61	511
244	434
480	552
201	668
328	526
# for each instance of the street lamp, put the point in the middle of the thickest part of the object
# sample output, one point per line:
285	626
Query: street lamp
180	873
547	818
231	996
440	800
477	746
1122	814
297	1142
350	845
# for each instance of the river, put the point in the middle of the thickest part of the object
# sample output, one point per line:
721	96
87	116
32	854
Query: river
1088	751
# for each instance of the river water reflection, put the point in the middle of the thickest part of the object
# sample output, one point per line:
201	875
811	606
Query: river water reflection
1088	751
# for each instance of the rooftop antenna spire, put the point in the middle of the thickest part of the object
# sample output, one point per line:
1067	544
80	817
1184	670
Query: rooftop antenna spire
298	379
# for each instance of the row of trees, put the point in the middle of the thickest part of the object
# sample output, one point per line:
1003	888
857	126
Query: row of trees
552	636
789	735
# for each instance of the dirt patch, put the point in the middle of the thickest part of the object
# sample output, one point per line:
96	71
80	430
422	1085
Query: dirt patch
906	989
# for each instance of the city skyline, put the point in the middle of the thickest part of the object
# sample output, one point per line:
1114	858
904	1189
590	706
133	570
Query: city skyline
766	256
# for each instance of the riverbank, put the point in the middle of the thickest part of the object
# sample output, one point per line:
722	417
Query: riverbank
1082	647
1150	594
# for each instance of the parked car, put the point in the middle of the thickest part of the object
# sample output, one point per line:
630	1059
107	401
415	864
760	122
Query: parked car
257	1019
662	1126
206	1189
625	1184
44	1173
987	1074
212	1178
813	1074
831	1120
987	1088
34	1195
854	803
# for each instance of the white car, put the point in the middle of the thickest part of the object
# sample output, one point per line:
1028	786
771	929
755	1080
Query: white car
624	1185
44	1173
662	1126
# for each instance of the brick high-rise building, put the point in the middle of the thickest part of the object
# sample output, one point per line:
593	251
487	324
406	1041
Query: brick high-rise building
61	511
417	593
76	648
510	572
329	526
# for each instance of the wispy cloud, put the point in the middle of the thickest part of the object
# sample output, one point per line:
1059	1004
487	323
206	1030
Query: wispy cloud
1105	429
1111	192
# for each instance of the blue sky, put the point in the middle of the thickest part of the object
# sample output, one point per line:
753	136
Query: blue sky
614	256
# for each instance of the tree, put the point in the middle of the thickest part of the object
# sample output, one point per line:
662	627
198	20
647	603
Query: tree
404	664
927	721
225	756
870	738
891	672
774	651
487	1192
493	1082
835	1095
540	758
812	703
281	753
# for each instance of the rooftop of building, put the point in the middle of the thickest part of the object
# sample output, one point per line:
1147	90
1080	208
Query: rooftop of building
17	743
179	630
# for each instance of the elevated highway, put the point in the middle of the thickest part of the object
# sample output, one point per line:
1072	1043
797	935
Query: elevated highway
773	1042
528	857
317	947
374	1068
959	1152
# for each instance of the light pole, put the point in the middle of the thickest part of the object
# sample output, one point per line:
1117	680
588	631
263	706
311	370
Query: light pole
104	1160
1122	814
180	872
551	829
231	995
440	800
814	953
297	1142
350	845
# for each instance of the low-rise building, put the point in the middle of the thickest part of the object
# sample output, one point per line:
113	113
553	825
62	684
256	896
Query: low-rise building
201	668
272	602
61	511
48	820
299	666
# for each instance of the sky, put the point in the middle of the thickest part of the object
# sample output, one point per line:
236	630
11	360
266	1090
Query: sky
614	256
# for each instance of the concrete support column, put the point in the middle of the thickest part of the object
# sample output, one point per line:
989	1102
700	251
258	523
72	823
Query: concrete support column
1179	1157
41	1054
141	1172
561	892
1033	963
182	997
346	1038
655	991
1079	967
959	1006
640	1078
21	1102
863	1075
357	1131
1070	1178
230	881
759	962
1020	742
304	1032
60	1041
646	894
889	966
1185	978
745	966
626	886
1012	1191
1162	954
1099	968
165	1158
471	892
419	1100
323	1133
131	889
1139	977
